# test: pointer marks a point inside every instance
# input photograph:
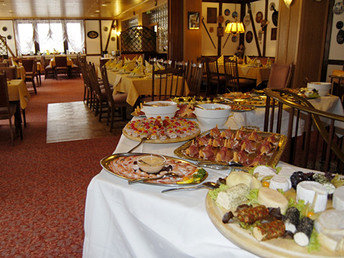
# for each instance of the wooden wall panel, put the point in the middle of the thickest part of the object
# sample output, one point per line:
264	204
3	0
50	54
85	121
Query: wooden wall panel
175	29
192	38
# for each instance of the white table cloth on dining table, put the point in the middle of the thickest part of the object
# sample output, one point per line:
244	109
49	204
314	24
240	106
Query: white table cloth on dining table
124	220
136	87
330	103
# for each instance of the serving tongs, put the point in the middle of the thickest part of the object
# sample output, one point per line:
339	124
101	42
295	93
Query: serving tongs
168	174
207	185
229	165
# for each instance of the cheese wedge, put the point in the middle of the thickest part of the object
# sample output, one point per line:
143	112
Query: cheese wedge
272	198
314	193
280	182
240	177
263	171
338	199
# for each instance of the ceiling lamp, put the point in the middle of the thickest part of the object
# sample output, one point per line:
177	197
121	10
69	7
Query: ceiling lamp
288	2
235	27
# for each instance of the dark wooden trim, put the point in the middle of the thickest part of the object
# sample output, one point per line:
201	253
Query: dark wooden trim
254	29
109	36
326	62
100	36
219	39
242	16
85	35
175	29
335	62
266	28
230	1
93	55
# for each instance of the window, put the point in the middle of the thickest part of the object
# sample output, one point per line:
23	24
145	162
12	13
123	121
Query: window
75	36
25	38
50	37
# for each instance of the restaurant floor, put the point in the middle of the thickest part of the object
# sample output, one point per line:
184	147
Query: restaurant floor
43	185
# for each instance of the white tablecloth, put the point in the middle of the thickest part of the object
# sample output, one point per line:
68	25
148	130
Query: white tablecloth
138	220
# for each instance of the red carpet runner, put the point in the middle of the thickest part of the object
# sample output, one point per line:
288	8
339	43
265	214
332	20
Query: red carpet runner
43	186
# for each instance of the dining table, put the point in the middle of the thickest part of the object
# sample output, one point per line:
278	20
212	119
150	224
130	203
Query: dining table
137	86
249	71
138	220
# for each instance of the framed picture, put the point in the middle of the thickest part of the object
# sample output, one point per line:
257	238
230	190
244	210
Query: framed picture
211	15
193	20
273	33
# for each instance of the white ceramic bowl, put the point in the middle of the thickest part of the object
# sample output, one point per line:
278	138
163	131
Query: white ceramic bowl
151	163
323	88
160	108
210	115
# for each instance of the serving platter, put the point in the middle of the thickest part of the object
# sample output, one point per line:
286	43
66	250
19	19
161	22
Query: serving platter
243	238
148	132
120	165
272	160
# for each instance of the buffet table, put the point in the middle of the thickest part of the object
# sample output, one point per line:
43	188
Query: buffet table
330	103
136	87
138	220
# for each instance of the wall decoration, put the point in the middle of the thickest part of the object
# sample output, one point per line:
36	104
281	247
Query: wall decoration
259	17
227	21
249	36
274	14
247	20
92	34
211	15
339	25
273	33
4	28
106	28
220	31
234	38
227	12
235	14
338	8
193	20
9	37
211	29
221	19
340	37
113	38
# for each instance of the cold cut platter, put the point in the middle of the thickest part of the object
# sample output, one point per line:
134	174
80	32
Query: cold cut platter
140	166
304	220
246	147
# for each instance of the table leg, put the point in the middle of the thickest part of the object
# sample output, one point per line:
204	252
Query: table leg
18	120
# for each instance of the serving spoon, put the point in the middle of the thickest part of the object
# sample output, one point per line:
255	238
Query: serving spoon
168	174
143	139
208	185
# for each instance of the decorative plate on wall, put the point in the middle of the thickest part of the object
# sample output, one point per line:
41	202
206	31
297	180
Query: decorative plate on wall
227	12
259	17
92	34
4	28
113	38
9	37
106	28
249	36
340	37
339	25
338	8
247	20
234	14
234	38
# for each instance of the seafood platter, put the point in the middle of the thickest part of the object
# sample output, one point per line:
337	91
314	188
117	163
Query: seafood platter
276	212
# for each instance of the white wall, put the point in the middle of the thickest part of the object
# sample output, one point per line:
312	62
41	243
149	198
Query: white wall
10	42
230	47
207	47
336	50
92	45
112	44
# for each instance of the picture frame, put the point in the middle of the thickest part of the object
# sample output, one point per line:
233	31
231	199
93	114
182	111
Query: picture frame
211	15
193	20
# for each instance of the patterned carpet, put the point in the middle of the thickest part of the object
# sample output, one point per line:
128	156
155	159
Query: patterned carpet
43	186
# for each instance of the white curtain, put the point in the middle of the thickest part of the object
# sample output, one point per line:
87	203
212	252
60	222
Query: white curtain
49	35
25	37
74	34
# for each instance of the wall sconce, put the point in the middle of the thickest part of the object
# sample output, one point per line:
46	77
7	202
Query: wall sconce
288	2
235	27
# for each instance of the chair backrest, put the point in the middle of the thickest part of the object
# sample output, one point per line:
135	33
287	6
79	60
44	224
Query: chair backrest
280	76
194	78
4	64
61	61
10	72
167	83
313	140
94	83
4	102
231	73
29	65
107	86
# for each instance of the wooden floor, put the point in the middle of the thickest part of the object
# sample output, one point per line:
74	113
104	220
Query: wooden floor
74	121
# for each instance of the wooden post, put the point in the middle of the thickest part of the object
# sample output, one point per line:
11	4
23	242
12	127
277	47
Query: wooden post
219	44
254	29
266	27
9	49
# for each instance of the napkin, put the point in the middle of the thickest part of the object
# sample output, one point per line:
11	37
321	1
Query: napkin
149	67
139	60
220	60
159	66
127	67
139	70
117	66
14	63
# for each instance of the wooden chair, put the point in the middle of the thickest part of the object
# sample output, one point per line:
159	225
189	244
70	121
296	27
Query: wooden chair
214	78
30	67
313	140
7	109
61	66
10	72
280	76
167	83
117	103
337	83
48	69
194	78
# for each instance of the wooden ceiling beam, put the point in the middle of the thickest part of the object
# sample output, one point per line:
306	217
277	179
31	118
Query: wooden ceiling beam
230	1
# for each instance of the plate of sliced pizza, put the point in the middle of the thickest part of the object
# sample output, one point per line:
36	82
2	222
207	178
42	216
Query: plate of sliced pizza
161	130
